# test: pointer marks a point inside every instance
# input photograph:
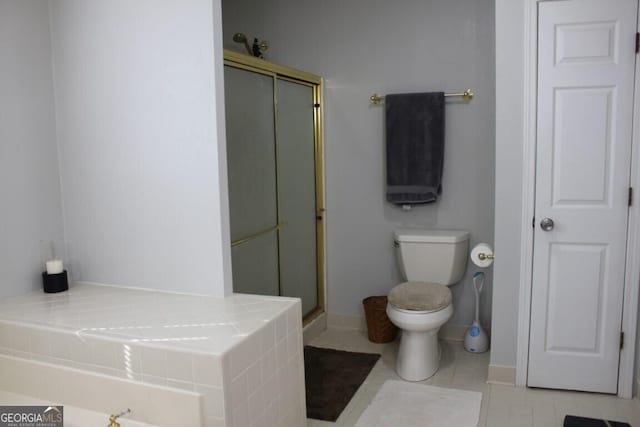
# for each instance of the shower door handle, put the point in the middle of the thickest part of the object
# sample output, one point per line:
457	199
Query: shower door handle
547	224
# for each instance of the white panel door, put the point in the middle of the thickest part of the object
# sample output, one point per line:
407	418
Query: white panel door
586	63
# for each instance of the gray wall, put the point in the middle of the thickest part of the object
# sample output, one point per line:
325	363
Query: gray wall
138	102
361	47
29	181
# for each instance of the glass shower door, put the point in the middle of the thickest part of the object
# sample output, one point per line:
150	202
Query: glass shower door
275	196
251	156
297	190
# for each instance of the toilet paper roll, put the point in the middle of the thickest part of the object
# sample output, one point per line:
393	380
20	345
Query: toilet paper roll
482	248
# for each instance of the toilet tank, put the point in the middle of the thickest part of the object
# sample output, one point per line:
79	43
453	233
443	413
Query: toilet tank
436	256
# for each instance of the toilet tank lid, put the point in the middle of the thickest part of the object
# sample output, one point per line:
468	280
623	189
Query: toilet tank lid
417	235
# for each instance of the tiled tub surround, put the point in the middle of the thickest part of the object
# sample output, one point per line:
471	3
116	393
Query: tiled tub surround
243	354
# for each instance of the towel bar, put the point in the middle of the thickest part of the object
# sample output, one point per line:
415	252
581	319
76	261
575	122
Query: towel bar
468	95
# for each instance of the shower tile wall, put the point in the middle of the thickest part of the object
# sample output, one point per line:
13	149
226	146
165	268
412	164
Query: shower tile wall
243	354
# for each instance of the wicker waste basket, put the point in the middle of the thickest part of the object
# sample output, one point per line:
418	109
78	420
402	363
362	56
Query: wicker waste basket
379	327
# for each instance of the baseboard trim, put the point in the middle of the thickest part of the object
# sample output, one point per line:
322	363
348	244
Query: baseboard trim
342	321
448	332
314	328
500	374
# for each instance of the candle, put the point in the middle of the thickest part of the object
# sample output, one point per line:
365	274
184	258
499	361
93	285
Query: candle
55	266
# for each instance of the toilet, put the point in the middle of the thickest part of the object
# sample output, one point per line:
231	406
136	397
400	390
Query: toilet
430	261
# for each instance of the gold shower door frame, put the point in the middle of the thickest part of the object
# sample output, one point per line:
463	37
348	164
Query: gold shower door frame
277	71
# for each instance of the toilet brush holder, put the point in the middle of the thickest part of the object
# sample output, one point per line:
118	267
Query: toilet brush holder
53	283
476	339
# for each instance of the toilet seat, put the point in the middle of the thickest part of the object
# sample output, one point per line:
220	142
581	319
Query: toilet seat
419	297
416	312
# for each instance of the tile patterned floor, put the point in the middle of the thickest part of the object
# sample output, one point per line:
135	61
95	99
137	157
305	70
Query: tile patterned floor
502	406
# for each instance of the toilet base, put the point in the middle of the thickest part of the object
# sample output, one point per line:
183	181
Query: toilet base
418	356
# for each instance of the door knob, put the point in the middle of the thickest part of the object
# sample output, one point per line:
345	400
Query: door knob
546	224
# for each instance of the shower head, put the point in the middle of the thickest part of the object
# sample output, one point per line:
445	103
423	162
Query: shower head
239	38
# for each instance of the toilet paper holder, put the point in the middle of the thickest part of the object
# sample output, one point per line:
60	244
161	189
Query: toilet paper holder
482	256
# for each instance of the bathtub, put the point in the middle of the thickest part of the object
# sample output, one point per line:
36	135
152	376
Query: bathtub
73	416
89	398
174	359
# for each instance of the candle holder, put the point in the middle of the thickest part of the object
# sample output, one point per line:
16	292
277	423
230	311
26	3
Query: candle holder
54	283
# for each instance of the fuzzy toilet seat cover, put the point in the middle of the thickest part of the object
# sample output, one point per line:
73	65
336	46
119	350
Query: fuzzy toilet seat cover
420	296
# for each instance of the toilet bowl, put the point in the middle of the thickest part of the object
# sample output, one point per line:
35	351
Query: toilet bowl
431	260
418	355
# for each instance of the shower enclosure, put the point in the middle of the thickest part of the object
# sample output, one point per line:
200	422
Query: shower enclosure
274	156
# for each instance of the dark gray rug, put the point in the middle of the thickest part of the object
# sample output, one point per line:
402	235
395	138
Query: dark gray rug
332	377
573	421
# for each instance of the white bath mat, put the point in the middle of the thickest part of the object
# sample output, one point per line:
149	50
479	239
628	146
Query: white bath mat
405	404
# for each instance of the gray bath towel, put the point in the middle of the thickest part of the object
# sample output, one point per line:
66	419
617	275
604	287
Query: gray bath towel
415	147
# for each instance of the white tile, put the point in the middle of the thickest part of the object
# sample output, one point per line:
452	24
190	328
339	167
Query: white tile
281	327
268	363
242	355
21	339
151	379
61	345
213	400
107	371
271	415
154	362
41	342
104	352
239	390
254	376
294	318
273	386
182	385
241	416
267	337
207	370
283	408
294	344
282	354
81	349
256	405
180	366
5	335
281	386
215	422
41	358
22	354
129	359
